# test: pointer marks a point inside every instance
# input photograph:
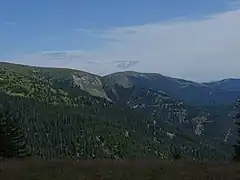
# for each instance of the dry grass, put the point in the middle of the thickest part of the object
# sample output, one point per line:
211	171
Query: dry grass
107	170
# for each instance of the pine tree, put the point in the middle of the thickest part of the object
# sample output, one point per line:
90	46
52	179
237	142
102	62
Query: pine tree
12	140
237	121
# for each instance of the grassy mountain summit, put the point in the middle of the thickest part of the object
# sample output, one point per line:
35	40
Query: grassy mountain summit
229	84
122	115
223	92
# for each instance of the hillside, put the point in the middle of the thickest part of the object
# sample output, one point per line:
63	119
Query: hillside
71	113
59	78
225	84
223	92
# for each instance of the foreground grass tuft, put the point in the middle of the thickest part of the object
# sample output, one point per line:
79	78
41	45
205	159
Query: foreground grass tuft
116	170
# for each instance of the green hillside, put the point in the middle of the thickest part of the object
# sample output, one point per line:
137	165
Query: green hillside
59	77
205	94
75	114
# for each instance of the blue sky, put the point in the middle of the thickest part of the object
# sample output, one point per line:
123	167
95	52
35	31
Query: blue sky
100	35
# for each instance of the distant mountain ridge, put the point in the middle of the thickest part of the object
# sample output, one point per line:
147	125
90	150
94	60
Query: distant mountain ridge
223	92
230	83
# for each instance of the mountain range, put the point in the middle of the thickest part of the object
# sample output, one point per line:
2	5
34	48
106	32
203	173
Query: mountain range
145	114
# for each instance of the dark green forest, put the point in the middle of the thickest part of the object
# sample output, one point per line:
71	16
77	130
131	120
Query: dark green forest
93	131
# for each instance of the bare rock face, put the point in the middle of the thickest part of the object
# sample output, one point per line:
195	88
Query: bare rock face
89	83
198	124
182	116
83	80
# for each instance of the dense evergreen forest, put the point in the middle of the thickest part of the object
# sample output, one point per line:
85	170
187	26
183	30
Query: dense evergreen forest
93	131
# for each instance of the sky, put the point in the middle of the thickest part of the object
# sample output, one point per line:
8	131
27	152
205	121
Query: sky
192	39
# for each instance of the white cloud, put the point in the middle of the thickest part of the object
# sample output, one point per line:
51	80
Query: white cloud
9	23
88	61
202	50
234	4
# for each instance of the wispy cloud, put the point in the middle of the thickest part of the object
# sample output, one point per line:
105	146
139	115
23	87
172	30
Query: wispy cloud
203	49
234	4
9	23
88	61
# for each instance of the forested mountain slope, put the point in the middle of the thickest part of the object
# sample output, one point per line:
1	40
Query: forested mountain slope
223	92
70	113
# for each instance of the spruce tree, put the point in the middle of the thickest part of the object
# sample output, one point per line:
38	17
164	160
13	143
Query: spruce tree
12	139
237	121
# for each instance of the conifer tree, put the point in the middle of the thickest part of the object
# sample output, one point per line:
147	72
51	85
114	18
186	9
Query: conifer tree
237	121
12	139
